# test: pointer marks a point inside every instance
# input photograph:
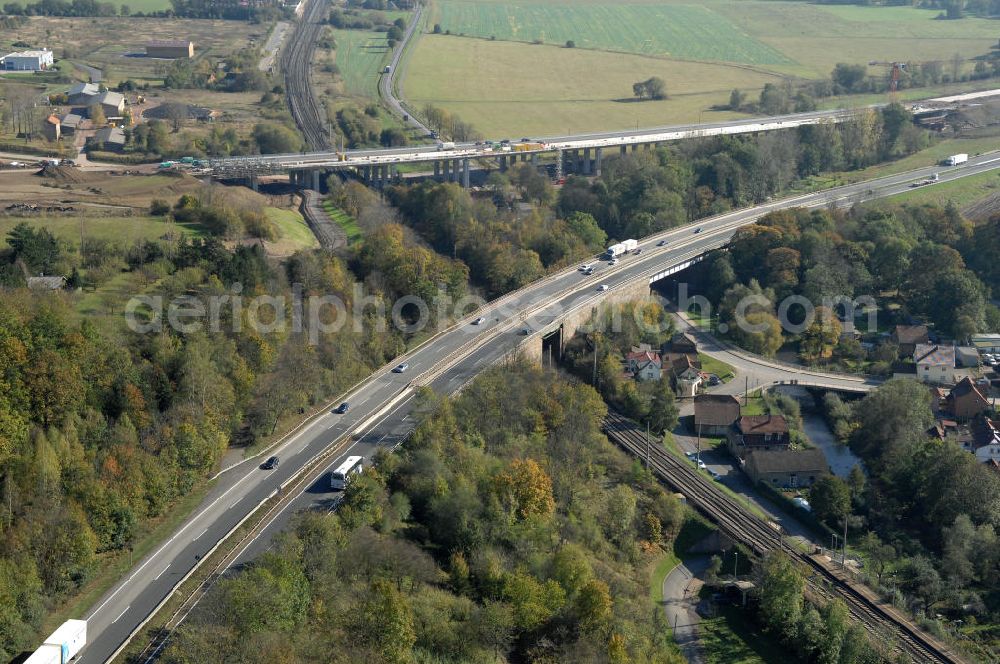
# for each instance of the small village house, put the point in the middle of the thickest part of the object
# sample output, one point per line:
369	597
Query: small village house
786	469
935	363
965	401
758	432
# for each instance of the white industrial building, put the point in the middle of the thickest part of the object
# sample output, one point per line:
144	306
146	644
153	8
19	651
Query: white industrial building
27	60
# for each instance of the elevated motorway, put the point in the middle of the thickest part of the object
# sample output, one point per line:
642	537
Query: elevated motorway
582	152
382	405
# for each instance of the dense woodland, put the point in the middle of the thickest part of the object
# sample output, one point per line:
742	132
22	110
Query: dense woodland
913	261
506	529
926	517
103	430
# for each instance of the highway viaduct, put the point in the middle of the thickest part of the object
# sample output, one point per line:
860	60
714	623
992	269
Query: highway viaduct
577	153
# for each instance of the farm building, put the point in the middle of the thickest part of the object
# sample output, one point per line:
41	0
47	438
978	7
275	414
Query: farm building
112	103
70	122
170	48
28	60
83	94
110	139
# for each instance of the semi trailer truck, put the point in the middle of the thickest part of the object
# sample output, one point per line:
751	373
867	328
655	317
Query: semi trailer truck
621	248
62	645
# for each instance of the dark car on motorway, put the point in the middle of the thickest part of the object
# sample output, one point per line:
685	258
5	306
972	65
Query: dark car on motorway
271	463
342	408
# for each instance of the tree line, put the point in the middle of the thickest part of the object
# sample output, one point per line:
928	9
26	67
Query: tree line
921	260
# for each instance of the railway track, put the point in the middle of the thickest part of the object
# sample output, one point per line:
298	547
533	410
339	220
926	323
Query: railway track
742	525
296	63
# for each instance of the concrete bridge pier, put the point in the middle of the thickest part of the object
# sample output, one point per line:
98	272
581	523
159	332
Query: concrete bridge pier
586	161
465	172
597	160
635	146
624	150
534	159
437	169
315	180
444	170
456	169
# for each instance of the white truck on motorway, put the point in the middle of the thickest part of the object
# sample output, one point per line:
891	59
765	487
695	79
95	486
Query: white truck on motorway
446	145
956	159
621	248
62	645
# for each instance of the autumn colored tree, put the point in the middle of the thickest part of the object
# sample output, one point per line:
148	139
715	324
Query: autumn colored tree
524	490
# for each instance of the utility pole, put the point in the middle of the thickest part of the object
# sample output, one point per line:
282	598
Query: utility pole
843	557
698	454
736	557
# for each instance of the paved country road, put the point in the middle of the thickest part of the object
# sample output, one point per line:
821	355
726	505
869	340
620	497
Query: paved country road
240	489
385	83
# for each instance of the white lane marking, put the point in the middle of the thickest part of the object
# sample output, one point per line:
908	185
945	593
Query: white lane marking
337	460
167	543
236	503
200	534
120	614
161	573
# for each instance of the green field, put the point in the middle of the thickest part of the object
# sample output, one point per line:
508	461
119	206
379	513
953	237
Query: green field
292	227
499	80
361	55
117	229
687	31
484	82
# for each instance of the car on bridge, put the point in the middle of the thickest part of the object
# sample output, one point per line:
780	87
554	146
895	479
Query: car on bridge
602	287
479	321
342	408
400	368
271	463
661	243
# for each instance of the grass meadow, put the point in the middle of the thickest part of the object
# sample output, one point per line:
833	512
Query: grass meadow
679	30
492	71
360	56
506	87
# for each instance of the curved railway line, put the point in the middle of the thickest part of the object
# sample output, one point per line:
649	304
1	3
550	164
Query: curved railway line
762	536
296	64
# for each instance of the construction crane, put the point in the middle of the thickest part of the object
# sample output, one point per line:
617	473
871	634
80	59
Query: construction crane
895	73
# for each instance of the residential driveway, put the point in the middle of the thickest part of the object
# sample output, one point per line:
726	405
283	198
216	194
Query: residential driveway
680	598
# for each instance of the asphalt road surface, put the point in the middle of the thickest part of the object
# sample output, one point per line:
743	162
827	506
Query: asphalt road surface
240	489
385	82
